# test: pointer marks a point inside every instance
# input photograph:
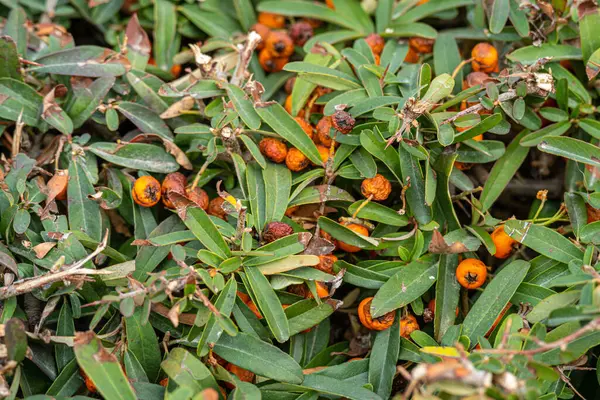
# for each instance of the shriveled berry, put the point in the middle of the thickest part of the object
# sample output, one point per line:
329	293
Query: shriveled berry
485	58
289	85
173	183
198	196
475	78
421	45
326	263
276	230
306	127
274	149
323	128
215	208
378	187
300	32
343	122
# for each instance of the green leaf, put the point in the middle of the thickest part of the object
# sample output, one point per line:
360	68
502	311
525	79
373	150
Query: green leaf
243	106
215	24
447	291
11	66
530	293
558	52
482	127
535	138
403	287
285	126
310	318
65	327
364	162
165	45
145	119
519	19
346	235
205	231
415	195
257	195
383	358
499	15
259	357
15	28
323	76
213	329
102	367
338	388
441	87
446	57
378	212
588	33
55	116
573	149
89	61
402	29
84	214
67	382
503	171
186	370
373	142
278	184
17	97
545	241
143	343
493	300
591	126
85	100
269	304
558	300
147	157
15	340
430	8
320	193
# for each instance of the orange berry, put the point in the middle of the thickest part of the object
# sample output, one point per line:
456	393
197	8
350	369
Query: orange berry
323	152
412	56
288	104
274	149
146	191
323	128
330	4
198	196
295	160
215	208
279	44
326	263
485	58
377	59
462	166
422	2
289	86
361	230
270	63
504	243
164	382
471	273
173	183
243	374
478	138
303	291
291	210
378	187
273	21
306	127
264	32
376	43
375	324
322	291
431	307
421	45
408	325
89	384
498	319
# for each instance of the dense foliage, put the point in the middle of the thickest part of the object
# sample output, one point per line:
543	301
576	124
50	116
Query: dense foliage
245	199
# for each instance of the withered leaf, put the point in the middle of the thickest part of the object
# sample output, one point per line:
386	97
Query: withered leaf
439	246
42	249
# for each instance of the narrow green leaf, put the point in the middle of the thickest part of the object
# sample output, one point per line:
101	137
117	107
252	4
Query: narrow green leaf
499	15
143	343
205	231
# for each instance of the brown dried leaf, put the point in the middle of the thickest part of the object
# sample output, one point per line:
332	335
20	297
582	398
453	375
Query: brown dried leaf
439	246
319	246
137	38
176	109
7	261
43	248
179	155
83	338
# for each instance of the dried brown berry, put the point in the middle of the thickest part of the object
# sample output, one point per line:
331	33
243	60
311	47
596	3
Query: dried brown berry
474	79
300	32
295	160
378	187
276	230
173	183
289	86
306	127
323	128
326	263
198	196
215	208
274	149
343	122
